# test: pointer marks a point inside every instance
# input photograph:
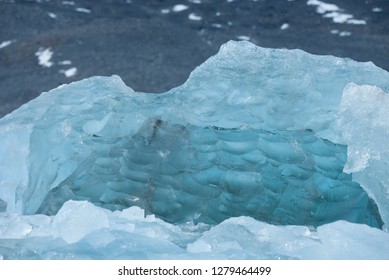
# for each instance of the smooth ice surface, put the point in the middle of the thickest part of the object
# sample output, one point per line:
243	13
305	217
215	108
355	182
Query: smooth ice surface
257	140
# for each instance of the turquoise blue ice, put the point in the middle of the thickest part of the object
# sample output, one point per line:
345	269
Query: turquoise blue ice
262	153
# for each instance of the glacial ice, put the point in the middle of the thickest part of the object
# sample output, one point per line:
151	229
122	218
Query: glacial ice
262	153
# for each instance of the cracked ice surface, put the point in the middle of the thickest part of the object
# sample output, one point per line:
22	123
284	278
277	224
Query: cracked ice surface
280	146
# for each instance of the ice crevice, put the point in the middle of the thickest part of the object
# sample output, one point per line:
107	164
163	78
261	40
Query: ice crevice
279	142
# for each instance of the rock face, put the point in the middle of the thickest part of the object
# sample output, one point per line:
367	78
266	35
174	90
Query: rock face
281	136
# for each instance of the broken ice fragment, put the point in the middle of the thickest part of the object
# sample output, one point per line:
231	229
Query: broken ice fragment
179	8
44	56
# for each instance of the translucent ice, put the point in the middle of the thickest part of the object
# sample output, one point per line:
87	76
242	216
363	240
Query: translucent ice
270	137
133	235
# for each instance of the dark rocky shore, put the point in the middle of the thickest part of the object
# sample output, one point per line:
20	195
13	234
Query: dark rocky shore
154	46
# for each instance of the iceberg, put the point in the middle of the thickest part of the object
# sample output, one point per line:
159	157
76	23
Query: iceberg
261	153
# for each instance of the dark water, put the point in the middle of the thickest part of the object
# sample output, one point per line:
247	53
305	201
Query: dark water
154	48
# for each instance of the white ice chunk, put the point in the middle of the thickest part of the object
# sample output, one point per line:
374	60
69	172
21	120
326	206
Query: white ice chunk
70	3
83	10
76	219
322	7
69	72
6	43
339	17
52	15
284	26
363	116
344	33
193	16
44	57
179	8
65	62
199	246
356	21
243	37
334	12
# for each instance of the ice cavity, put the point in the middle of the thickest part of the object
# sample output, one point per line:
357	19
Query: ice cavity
254	132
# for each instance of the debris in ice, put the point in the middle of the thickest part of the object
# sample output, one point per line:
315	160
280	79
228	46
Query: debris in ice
179	8
44	56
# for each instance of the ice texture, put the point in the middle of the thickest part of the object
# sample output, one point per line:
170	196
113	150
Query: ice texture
132	234
262	153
